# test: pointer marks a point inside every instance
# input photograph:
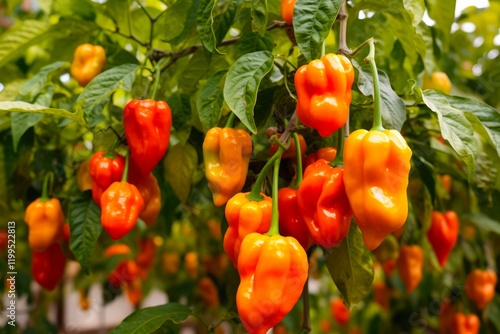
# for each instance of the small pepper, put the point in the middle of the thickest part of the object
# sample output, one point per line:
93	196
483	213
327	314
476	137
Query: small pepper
273	271
292	223
83	178
133	291
447	181
151	194
226	154
480	287
437	81
339	312
327	153
443	234
88	62
47	266
171	263
465	324
147	129
146	257
208	292
324	93
191	264
409	265
84	299
105	168
287	7
126	270
381	294
291	152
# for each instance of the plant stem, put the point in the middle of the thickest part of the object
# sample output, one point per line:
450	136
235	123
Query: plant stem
45	187
306	323
377	115
156	81
255	193
230	120
298	153
339	157
342	18
125	170
274	229
111	151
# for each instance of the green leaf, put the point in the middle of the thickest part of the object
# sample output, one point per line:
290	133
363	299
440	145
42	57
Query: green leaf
205	25
150	319
351	267
443	12
179	20
38	82
10	106
181	115
455	128
253	41
259	16
416	9
119	11
180	164
20	123
242	85
312	20
96	94
85	227
393	107
483	222
210	101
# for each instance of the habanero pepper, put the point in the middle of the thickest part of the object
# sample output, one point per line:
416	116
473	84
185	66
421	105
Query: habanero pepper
126	270
150	192
146	257
83	178
291	152
324	93
147	126
47	266
273	271
443	234
208	292
287	7
465	324
409	265
437	81
339	312
226	155
480	287
88	62
292	223
105	168
327	153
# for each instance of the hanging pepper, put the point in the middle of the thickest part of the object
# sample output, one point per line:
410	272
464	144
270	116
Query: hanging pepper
324	93
291	152
339	312
88	61
226	154
437	81
45	220
287	7
121	205
381	294
133	291
47	266
126	270
409	265
146	257
292	223
83	178
443	234
191	264
480	287
171	263
151	194
327	153
446	181
84	299
147	129
208	292
105	168
273	271
465	324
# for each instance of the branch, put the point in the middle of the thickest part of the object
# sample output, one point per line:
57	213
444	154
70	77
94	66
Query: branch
342	18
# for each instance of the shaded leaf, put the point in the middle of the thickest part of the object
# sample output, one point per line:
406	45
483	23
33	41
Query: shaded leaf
253	41
180	163
210	101
483	222
20	123
259	16
38	82
205	25
10	106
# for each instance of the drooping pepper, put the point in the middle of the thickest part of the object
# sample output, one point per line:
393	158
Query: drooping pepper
226	154
147	129
324	93
146	257
287	7
83	178
191	264
171	263
465	324
88	61
339	312
480	287
327	153
151	194
47	266
273	271
208	292
443	234
126	270
45	220
292	223
409	265
105	168
437	81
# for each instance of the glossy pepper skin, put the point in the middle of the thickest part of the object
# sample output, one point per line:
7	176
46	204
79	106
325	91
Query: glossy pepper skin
327	153
465	324
340	312
376	169
480	287
121	205
104	170
226	154
324	93
273	271
291	222
45	220
245	216
47	267
291	152
437	81
88	61
443	234
287	7
409	265
151	194
147	126
323	203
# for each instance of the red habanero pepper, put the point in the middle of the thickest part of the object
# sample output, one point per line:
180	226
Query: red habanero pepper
480	287
327	153
292	223
443	234
105	168
47	267
150	192
126	271
147	129
340	312
465	324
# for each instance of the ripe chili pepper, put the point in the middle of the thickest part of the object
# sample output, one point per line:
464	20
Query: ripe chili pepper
84	299
446	316
339	312
389	266
291	152
409	265
324	93
327	153
88	61
83	178
323	203
133	291
151	194
446	180
47	266
208	292
381	294
273	271
226	154
146	257
245	216
465	324
292	223
377	165
147	129
437	81
66	232
443	234
126	270
480	287
105	168
171	263
287	7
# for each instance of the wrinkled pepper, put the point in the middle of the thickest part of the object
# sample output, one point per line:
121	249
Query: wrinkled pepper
327	153
437	81
323	203
480	287
226	154
88	62
273	271
147	129
289	153
339	312
105	168
47	266
410	262
465	324
443	234
287	7
245	216
291	222
324	93
208	292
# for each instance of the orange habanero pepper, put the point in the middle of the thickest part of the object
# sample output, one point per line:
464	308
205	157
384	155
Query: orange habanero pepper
480	287
409	265
88	62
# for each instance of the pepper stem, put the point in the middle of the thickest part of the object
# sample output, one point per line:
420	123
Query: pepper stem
298	153
156	81
255	193
45	187
339	157
377	115
111	151
125	170
230	120
274	229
